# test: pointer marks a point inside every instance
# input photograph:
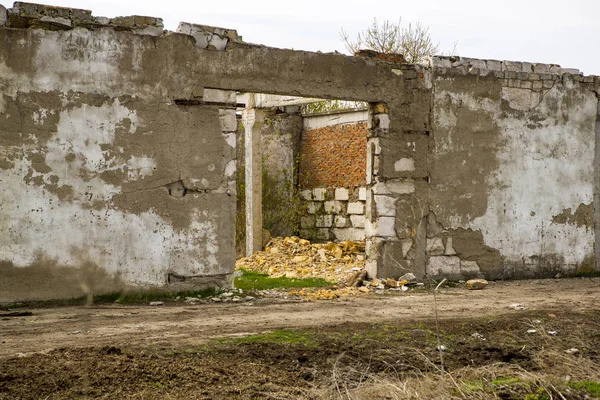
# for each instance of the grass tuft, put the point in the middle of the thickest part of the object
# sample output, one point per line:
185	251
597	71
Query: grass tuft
256	281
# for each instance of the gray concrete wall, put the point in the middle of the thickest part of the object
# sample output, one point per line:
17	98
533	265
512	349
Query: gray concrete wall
105	123
502	184
118	155
512	171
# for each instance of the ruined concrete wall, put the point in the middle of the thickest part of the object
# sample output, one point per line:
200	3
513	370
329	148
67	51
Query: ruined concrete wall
499	184
113	178
511	170
105	122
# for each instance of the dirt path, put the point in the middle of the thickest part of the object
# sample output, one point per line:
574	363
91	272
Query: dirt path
116	325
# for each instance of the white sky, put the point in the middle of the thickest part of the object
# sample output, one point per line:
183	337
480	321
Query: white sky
547	31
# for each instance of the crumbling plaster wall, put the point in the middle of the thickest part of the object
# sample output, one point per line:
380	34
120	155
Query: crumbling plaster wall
105	122
512	170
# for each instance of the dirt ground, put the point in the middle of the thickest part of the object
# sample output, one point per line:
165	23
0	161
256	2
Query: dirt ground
271	348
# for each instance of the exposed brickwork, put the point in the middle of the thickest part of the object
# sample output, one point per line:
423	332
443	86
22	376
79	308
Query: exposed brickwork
334	156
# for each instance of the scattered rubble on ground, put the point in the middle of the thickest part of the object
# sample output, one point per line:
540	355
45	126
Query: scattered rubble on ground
343	264
476	284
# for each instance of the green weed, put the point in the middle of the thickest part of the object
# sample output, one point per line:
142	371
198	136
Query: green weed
256	281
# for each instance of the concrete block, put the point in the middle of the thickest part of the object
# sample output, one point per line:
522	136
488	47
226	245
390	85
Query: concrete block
512	66
358	221
149	30
341	222
534	77
443	265
324	221
307	221
56	21
404	165
536	85
362	194
313	207
341	194
228	120
220	96
306	194
494	65
469	267
319	194
441	62
449	251
333	207
381	121
401	187
381	227
349	234
527	67
356	208
476	63
101	20
541	68
385	205
435	246
572	71
548	84
526	84
231	139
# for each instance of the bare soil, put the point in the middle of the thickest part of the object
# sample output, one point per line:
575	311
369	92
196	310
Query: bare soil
203	351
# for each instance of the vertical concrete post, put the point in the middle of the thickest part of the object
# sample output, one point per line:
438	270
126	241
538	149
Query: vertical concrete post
253	120
597	189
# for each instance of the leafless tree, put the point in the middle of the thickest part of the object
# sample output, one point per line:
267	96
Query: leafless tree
412	41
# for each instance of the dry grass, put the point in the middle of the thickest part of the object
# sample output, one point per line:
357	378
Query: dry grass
555	375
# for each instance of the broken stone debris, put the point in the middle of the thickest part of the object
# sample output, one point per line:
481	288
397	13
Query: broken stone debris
157	303
476	284
341	263
293	257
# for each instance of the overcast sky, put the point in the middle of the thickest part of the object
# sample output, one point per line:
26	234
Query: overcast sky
547	31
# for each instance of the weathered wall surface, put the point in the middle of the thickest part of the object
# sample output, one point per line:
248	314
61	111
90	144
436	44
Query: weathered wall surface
512	172
108	182
500	186
118	146
119	156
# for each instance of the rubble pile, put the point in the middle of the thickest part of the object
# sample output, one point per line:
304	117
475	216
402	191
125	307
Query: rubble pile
340	263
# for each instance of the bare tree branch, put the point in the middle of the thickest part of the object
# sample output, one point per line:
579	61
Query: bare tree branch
412	41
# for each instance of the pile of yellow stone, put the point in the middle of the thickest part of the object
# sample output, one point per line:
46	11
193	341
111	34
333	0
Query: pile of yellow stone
299	258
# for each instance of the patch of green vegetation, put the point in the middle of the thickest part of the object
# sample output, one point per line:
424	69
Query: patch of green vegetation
506	380
590	387
472	386
280	336
540	394
255	281
126	298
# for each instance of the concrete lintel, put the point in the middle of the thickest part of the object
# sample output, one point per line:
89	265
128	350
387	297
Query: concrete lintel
263	100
